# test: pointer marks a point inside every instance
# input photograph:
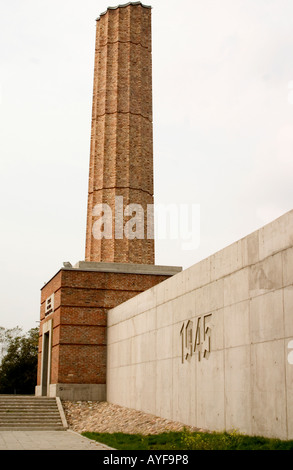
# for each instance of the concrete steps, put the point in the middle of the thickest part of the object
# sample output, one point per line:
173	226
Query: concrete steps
27	412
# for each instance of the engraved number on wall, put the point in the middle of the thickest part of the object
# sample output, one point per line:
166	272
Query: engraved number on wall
196	338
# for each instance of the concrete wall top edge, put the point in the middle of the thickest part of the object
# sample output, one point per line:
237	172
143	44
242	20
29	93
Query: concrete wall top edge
286	216
269	239
272	238
123	6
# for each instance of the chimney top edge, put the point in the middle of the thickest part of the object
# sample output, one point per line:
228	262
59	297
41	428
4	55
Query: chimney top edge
123	6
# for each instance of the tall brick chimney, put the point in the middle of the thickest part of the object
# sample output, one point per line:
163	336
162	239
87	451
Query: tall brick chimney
121	158
75	301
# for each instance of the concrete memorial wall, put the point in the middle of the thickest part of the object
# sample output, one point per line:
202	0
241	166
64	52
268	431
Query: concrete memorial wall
212	346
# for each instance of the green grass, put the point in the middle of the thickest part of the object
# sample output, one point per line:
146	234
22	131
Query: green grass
188	441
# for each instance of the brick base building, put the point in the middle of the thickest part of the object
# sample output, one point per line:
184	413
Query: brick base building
74	303
73	330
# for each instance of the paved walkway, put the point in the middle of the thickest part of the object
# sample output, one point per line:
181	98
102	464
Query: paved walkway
47	440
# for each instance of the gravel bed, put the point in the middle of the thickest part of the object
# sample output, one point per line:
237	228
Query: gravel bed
109	418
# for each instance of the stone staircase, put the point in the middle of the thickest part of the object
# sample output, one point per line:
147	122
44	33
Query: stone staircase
29	413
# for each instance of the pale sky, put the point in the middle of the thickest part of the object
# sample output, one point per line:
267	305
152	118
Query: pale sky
223	129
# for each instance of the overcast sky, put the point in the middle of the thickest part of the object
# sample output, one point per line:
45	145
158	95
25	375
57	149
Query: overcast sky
223	129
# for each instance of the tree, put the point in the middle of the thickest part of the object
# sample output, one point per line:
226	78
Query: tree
6	335
18	369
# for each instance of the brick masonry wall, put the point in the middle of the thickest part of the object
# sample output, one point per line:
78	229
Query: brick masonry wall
121	159
82	299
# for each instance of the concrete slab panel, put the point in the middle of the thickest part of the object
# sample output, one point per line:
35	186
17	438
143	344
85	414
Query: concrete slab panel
144	322
139	386
130	386
289	384
121	313
287	267
186	306
161	292
112	361
227	261
210	392
164	380
124	353
236	324
216	324
276	235
144	347
198	275
237	389
250	247
165	314
120	332
236	287
266	317
171	288
268	404
149	384
266	275
147	300
164	343
288	311
112	392
184	391
210	297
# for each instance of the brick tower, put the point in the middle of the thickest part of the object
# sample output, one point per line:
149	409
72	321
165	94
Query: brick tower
119	259
121	161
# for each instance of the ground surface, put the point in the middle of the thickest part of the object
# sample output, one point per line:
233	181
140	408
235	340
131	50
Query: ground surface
108	418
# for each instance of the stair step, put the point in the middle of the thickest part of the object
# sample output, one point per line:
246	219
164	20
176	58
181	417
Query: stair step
32	428
25	415
28	405
31	402
20	406
24	397
46	399
10	403
30	410
29	413
29	424
31	418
